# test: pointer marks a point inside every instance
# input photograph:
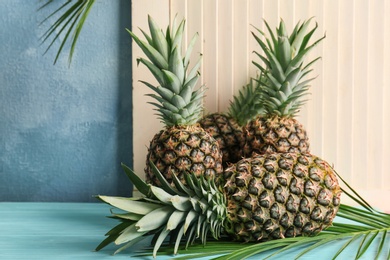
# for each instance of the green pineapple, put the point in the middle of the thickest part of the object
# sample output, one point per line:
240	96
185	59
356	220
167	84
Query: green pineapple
266	197
283	85
227	128
183	146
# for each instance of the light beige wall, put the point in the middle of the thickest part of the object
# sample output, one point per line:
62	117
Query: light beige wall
347	117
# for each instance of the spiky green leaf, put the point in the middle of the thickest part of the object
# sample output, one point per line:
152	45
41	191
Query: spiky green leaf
177	36
155	219
154	56
176	65
159	41
297	39
128	234
136	180
284	67
176	218
189	50
157	73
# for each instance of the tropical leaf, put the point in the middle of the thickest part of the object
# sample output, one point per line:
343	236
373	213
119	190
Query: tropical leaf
72	16
355	229
294	247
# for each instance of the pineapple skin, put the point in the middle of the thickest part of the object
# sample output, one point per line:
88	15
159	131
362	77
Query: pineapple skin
183	149
182	146
229	135
278	195
275	135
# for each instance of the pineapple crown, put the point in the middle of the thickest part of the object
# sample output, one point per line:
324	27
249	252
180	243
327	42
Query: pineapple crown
180	211
284	69
178	103
247	104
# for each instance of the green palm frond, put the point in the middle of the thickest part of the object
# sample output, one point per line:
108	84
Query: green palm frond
363	226
72	16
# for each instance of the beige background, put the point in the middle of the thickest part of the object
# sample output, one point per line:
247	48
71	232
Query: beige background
347	117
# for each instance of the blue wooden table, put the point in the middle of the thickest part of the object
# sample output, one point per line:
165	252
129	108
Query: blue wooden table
54	231
73	230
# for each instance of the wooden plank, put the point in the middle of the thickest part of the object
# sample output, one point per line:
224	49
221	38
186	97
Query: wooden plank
385	179
374	96
146	124
73	230
195	26
360	89
210	55
345	89
241	51
54	230
255	14
225	53
331	76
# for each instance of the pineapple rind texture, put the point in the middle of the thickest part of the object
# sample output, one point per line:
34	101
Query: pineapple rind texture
275	135
181	150
228	128
280	195
229	135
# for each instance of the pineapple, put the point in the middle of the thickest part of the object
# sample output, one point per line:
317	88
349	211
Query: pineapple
227	128
280	195
182	146
228	134
283	86
268	196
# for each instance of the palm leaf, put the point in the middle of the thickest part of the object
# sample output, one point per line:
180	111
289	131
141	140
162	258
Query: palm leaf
355	228
236	251
71	21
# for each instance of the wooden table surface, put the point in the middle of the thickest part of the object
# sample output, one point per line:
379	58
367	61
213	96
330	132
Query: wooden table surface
73	230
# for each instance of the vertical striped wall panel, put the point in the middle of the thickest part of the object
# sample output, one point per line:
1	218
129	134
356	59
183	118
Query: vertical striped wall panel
347	116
